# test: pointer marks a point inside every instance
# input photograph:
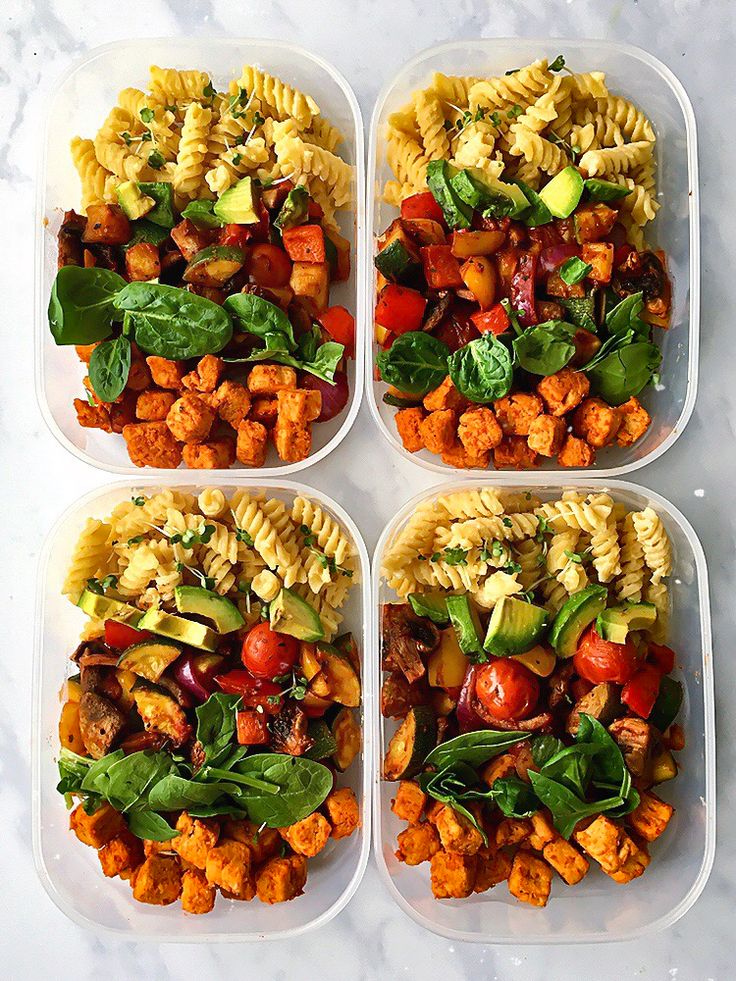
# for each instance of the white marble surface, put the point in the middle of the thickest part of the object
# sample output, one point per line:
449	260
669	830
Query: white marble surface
367	40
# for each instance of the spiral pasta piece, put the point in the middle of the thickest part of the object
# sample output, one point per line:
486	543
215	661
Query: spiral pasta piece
606	552
250	517
454	89
114	153
610	161
630	584
633	123
191	158
329	535
655	543
283	100
140	570
494	588
407	159
575	514
89	559
212	502
431	123
538	151
520	88
169	85
483	503
91	173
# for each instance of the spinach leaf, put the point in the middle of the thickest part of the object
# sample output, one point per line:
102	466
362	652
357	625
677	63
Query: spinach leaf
544	748
546	348
201	214
146	231
481	371
473	748
415	363
172	323
97	778
514	797
624	316
571	767
566	807
260	317
324	365
174	793
109	367
129	779
147	824
451	784
573	270
162	193
228	808
625	372
216	723
82	304
303	786
609	767
538	213
309	343
73	770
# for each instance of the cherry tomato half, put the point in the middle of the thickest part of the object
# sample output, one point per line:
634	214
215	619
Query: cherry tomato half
267	654
599	660
507	689
268	265
121	635
255	692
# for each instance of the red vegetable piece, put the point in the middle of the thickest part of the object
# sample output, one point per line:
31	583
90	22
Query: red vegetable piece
599	660
522	289
340	325
422	205
252	728
441	268
640	692
400	309
121	635
268	265
305	243
334	397
253	691
663	658
493	321
235	235
507	689
268	654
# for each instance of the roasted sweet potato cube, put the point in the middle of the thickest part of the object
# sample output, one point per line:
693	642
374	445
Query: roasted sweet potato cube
151	444
479	430
445	396
417	843
514	451
409	802
530	879
309	836
142	262
600	256
269	379
563	391
153	405
500	766
546	435
342	812
438	430
456	832
494	866
216	454
651	817
206	375
97	829
596	422
292	441
635	420
158	881
196	837
566	860
84	351
311	282
232	402
576	452
263	843
511	831
228	866
189	239
601	840
408	425
166	373
251	445
121	854
157	847
432	810
453	875
197	894
190	419
106	225
281	879
292	406
516	412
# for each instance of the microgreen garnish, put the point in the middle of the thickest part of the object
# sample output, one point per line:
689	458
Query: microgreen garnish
146	114
100	585
156	159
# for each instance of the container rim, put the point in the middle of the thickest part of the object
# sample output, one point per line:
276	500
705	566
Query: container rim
358	139
368	709
706	640
693	306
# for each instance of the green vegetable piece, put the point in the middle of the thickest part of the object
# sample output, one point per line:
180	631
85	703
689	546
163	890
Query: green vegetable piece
454	786
146	231
133	201
324	743
615	622
162	193
465	620
481	371
538	212
562	194
668	703
573	270
546	348
290	614
260	317
576	614
566	807
600	190
173	323
514	627
177	628
415	363
216	724
294	210
109	367
302	786
104	608
494	199
395	262
205	603
149	825
398	403
625	317
581	311
625	372
214	264
457	213
82	304
431	605
202	214
514	797
410	744
150	658
238	205
473	748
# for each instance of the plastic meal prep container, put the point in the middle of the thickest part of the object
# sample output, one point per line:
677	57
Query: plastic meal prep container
70	871
597	909
638	76
79	103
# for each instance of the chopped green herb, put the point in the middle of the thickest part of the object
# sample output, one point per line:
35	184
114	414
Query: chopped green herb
237	158
156	160
100	585
138	501
209	91
573	270
456	556
508	523
135	541
126	137
558	64
495	119
515	111
146	114
242	535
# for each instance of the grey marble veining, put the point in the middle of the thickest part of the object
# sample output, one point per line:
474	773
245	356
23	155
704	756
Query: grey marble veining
367	40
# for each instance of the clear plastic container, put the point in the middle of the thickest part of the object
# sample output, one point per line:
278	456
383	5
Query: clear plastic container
69	871
596	910
642	78
79	104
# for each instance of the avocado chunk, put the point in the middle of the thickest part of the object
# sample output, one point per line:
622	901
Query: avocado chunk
290	614
432	605
562	194
494	199
537	213
177	628
133	201
457	213
514	627
150	658
238	204
104	608
615	623
214	265
575	615
464	619
163	194
600	190
294	210
205	603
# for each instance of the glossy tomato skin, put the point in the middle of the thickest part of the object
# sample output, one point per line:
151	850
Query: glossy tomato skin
267	654
599	660
255	692
507	689
121	635
268	265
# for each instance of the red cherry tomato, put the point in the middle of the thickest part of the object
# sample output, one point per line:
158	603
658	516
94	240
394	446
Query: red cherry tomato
268	265
507	689
267	654
121	635
599	660
255	692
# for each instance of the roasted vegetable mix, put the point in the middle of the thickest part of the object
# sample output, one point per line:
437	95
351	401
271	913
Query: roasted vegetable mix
534	698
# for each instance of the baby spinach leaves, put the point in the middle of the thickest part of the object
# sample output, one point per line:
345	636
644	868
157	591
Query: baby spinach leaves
473	748
201	214
625	372
257	316
566	807
482	370
415	363
81	307
302	786
546	348
573	270
109	367
216	723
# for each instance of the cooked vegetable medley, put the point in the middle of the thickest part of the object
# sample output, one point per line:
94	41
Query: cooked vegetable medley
210	712
525	664
517	301
195	285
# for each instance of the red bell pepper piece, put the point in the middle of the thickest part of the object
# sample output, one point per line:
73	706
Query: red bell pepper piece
641	690
340	325
663	658
236	235
422	205
252	728
493	321
522	289
304	243
259	230
441	268
253	691
400	309
314	210
622	253
121	635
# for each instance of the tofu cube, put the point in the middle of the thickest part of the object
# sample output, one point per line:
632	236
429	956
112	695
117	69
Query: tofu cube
153	405
269	379
479	431
408	425
635	420
166	373
309	836
251	444
197	894
576	452
511	831
445	396
228	866
515	413
97	829
452	875
196	837
190	419
494	866
232	402
158	881
342	812
456	832
651	817
121	854
293	442
546	435
596	422
530	879
281	879
409	802
263	843
218	454
438	430
566	860
417	843
563	391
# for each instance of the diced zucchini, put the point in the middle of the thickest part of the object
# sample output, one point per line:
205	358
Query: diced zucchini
324	742
149	658
410	744
346	731
214	265
161	713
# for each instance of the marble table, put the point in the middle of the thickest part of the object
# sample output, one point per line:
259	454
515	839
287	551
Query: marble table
367	40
